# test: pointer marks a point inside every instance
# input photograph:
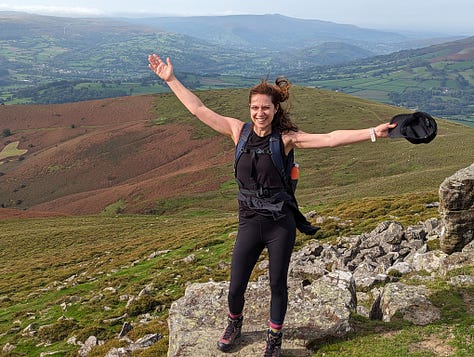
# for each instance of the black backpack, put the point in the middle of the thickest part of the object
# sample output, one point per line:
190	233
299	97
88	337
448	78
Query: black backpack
276	152
284	168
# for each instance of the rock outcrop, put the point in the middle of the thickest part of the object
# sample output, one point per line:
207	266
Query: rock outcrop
322	291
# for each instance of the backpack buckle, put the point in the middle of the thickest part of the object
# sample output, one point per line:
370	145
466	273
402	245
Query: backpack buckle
263	192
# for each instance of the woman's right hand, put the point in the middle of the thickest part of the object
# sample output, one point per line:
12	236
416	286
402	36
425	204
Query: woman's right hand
160	68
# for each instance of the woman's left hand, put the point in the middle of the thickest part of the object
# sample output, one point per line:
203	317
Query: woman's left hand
381	131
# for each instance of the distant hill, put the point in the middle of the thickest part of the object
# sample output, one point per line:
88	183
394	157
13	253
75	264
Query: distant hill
438	79
272	32
147	154
46	59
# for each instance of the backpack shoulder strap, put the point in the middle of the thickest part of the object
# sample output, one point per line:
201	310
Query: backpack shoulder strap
277	153
242	143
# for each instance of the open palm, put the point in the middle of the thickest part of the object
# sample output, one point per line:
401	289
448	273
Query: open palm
161	69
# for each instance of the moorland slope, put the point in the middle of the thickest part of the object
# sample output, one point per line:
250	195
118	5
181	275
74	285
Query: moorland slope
85	156
147	154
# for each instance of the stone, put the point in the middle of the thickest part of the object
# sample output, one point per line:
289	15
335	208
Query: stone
87	347
411	301
316	309
457	210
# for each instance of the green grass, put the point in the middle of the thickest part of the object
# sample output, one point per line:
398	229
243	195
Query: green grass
81	256
48	262
12	150
114	208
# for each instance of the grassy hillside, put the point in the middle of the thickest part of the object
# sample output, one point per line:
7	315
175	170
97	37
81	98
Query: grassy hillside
85	269
46	59
251	31
130	156
388	167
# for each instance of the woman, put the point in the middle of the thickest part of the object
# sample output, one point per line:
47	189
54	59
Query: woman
268	214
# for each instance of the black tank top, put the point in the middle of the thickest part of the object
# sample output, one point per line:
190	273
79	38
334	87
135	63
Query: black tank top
257	155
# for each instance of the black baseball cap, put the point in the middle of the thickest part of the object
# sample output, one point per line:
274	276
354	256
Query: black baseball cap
417	128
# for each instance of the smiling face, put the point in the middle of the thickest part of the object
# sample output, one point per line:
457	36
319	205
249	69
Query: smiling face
262	111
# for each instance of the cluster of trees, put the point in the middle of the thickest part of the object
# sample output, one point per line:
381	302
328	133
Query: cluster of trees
67	92
437	101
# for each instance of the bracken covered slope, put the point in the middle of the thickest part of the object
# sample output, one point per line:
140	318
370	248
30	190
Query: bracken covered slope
82	157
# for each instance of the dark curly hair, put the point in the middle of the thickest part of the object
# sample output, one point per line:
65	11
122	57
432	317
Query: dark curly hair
279	93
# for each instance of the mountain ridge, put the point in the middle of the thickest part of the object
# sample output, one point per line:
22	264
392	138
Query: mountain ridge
252	30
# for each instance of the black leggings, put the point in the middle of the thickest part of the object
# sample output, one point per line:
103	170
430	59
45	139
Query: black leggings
253	236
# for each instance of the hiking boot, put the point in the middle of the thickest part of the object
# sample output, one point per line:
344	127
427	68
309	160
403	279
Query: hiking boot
273	347
231	333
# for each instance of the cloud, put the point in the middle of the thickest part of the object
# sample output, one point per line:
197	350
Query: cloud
53	10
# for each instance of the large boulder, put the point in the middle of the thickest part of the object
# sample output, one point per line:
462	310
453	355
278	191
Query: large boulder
316	310
412	302
457	210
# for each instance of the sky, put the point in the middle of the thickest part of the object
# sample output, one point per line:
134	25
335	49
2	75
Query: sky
454	17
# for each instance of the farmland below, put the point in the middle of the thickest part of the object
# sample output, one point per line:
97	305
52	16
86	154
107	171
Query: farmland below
62	60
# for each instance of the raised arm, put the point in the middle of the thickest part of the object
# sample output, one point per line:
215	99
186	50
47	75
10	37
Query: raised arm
222	124
335	138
